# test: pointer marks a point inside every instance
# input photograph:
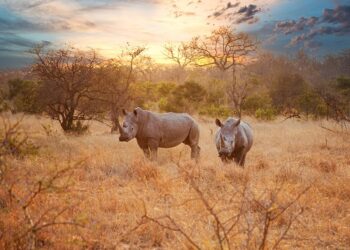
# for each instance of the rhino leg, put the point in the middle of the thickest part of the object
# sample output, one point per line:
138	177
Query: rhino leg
150	154
153	148
192	141
242	160
153	154
230	157
195	151
147	152
225	159
240	156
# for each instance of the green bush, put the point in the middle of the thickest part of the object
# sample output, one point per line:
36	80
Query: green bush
310	103
165	89
190	91
187	97
143	93
164	105
255	102
24	96
266	114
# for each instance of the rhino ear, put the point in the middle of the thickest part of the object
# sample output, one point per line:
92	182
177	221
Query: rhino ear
135	112
124	111
238	122
218	122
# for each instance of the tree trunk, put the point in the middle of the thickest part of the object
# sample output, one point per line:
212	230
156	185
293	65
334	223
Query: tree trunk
115	118
234	95
68	120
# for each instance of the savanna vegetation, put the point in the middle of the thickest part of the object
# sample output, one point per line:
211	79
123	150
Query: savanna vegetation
67	183
218	75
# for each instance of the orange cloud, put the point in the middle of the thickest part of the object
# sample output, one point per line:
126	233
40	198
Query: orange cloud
106	25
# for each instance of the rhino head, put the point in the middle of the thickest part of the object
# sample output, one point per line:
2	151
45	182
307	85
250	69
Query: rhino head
227	136
129	129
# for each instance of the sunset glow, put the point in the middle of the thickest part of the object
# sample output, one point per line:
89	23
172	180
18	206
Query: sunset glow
106	25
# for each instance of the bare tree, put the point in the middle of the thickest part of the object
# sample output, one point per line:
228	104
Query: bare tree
67	76
22	192
238	213
338	107
239	90
181	54
147	68
225	50
115	77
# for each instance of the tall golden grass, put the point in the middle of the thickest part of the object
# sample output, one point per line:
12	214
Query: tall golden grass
294	191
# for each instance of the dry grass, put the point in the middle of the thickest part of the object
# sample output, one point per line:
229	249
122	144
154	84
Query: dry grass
123	201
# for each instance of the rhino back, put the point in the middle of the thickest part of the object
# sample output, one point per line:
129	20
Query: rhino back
170	129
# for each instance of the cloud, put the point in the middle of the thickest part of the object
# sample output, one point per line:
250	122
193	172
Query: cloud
12	41
339	15
50	15
312	44
288	27
107	24
179	13
15	50
27	5
14	61
19	25
220	12
247	14
332	22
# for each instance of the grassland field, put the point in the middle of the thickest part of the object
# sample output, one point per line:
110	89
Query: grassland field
293	192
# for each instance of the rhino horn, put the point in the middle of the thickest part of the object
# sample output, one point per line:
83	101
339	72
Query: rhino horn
222	142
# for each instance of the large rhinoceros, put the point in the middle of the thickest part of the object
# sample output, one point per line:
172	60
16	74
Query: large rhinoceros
153	131
233	140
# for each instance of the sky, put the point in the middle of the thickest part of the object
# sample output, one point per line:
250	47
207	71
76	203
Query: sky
320	27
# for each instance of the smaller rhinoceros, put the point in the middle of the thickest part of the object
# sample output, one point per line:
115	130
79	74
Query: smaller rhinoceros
233	140
153	131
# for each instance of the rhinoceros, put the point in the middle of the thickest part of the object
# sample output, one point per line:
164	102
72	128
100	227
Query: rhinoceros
154	130
233	140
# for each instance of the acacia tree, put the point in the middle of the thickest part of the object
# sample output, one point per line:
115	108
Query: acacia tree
67	77
181	54
225	50
147	68
114	79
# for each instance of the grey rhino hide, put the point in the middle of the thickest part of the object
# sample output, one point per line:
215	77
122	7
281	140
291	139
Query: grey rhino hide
233	140
154	130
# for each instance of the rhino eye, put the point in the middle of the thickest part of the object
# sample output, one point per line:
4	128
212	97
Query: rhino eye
124	126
